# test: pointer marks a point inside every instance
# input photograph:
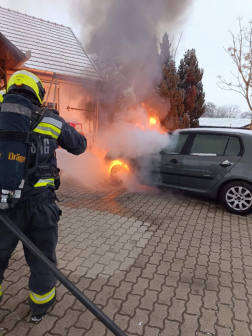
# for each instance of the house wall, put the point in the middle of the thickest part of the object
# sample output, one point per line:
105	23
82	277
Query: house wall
76	103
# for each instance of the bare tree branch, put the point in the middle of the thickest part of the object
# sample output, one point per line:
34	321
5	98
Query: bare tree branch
241	53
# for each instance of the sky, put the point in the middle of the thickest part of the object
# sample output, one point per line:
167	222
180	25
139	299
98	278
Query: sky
206	30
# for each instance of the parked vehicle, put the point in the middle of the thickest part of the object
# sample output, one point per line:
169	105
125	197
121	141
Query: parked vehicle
212	162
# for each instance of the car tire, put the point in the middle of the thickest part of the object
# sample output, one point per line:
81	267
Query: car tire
237	197
114	176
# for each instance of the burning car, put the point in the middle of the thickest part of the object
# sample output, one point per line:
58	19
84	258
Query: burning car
211	162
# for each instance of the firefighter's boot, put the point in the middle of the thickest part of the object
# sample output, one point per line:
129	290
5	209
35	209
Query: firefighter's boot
40	304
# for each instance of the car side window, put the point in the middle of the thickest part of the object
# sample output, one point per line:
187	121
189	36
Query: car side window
209	145
233	147
177	142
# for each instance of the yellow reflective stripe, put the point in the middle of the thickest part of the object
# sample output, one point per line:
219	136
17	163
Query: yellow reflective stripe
1	293
52	121
41	299
44	183
56	129
46	133
48	129
2	92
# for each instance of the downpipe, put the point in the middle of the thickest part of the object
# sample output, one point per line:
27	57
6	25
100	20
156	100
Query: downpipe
103	318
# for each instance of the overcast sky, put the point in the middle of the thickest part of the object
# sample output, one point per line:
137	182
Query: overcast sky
206	30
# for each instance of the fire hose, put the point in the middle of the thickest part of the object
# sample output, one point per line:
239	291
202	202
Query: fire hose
62	278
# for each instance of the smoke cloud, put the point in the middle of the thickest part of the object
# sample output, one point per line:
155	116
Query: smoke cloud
122	34
125	30
126	26
131	137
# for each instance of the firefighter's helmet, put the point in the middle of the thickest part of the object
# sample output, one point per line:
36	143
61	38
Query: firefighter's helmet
2	92
26	81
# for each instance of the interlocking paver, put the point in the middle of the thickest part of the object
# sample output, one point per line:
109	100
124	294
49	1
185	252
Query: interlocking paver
159	264
207	321
225	316
176	310
138	322
190	325
194	304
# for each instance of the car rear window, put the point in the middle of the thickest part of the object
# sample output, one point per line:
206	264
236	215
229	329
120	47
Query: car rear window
209	145
177	142
233	147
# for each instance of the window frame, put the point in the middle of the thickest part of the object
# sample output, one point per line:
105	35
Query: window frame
183	149
241	145
194	134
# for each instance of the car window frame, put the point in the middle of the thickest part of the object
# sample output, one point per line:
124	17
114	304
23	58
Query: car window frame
183	149
240	154
190	144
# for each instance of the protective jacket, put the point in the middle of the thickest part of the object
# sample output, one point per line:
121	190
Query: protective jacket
52	131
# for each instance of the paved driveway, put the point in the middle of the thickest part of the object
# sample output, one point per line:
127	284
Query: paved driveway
158	263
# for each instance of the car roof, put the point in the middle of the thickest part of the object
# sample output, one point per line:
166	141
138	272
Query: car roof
218	130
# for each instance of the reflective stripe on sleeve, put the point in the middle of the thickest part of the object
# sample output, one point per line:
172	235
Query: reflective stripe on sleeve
53	122
44	182
50	127
1	293
41	299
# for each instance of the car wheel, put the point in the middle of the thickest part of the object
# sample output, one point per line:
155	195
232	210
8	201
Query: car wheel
237	197
115	175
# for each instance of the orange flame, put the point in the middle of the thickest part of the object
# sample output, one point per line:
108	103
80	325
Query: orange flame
117	163
153	121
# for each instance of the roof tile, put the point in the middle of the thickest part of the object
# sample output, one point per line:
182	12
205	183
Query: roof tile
53	47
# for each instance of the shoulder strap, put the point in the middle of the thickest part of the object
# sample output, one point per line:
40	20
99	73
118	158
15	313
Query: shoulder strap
37	117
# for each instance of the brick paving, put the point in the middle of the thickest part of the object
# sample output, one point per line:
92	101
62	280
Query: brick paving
158	263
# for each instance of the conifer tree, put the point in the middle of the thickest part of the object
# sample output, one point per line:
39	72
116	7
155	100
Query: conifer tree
171	92
191	82
165	53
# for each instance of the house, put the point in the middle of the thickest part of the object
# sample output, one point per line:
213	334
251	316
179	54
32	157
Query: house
225	122
55	55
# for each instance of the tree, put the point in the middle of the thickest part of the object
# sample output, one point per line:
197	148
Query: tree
165	53
174	96
224	111
191	82
210	111
228	111
115	82
241	54
247	115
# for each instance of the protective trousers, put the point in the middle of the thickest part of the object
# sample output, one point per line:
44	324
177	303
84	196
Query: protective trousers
40	225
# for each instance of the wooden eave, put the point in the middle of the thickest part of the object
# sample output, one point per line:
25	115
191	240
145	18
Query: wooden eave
11	54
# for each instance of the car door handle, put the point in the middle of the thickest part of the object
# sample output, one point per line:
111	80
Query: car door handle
225	164
174	161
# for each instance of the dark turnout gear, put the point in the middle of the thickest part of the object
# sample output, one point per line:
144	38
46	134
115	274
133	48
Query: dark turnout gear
15	122
50	130
43	233
36	213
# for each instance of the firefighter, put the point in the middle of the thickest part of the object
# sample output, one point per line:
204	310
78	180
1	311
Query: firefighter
36	213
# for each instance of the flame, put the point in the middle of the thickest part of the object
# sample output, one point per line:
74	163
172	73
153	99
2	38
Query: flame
153	121
117	163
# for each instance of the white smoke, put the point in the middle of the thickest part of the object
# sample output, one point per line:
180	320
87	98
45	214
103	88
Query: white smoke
124	31
130	138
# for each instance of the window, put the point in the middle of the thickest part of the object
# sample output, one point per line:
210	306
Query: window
209	145
233	147
177	142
